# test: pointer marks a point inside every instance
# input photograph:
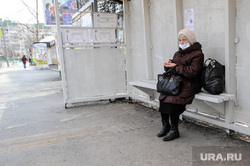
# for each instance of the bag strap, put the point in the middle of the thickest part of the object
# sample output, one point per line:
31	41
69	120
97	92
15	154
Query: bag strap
172	68
211	61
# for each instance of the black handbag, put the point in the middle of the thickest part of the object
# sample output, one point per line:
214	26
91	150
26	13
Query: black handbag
213	78
169	83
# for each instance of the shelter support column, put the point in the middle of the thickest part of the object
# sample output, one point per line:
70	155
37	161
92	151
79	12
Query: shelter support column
178	6
60	52
147	36
126	13
230	57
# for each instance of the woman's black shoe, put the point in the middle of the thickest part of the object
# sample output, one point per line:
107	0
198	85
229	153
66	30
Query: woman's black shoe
164	131
172	134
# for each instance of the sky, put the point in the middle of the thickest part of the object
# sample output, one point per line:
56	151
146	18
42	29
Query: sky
15	10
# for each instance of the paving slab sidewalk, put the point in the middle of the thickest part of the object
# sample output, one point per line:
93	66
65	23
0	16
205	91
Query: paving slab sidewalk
36	129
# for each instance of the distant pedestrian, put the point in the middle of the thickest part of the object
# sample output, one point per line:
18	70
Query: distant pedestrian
24	59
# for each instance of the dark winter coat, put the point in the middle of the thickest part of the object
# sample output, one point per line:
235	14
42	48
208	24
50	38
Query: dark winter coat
24	59
190	67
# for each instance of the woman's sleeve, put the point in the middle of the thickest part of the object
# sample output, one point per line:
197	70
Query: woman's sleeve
194	69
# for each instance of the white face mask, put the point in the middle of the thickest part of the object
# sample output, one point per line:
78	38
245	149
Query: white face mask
184	46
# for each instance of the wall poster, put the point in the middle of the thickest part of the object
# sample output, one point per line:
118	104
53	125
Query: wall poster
107	20
103	35
40	55
189	19
75	35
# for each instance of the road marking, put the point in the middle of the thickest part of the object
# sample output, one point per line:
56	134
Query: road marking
10	127
70	118
49	139
3	143
80	130
3	150
35	144
16	141
87	135
20	125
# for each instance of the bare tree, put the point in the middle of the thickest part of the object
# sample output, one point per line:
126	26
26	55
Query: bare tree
28	32
34	13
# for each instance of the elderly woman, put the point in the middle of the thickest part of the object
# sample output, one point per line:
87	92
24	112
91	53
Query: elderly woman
190	63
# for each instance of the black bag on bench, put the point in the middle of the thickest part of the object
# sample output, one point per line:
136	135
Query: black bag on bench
213	78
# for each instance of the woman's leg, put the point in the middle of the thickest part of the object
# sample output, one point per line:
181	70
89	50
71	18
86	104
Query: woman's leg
165	125
174	121
165	119
174	132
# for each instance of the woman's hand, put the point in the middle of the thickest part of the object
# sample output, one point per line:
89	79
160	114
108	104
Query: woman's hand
169	65
167	62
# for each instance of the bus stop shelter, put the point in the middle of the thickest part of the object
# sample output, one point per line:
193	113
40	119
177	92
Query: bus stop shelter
97	64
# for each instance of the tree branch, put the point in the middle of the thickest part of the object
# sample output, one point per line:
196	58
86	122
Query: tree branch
32	11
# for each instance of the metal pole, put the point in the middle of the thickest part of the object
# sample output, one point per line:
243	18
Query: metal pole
37	24
10	43
5	50
60	52
13	56
94	6
1	49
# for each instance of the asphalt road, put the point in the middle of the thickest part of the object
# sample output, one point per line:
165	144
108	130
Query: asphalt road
36	129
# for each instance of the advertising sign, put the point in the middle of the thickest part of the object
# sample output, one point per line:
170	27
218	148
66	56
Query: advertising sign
88	35
66	9
75	35
103	35
108	20
40	55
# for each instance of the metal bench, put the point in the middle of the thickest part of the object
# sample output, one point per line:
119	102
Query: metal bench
148	86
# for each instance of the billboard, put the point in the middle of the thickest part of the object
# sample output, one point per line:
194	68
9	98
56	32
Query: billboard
66	9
